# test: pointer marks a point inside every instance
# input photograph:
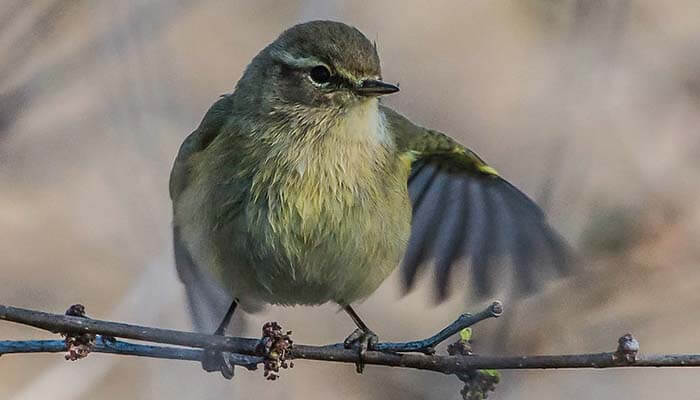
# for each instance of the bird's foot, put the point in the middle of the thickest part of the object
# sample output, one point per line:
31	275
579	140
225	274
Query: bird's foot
363	341
217	361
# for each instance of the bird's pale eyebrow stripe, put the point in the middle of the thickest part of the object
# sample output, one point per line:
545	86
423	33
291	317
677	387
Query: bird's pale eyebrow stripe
296	62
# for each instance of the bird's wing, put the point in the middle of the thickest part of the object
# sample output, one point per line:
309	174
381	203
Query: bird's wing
208	130
207	300
462	209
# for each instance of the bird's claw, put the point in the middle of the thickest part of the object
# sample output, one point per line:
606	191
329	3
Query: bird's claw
217	361
363	341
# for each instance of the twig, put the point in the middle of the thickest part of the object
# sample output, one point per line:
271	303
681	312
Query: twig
428	345
245	348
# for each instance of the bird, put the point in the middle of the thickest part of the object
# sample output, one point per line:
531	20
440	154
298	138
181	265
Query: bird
302	188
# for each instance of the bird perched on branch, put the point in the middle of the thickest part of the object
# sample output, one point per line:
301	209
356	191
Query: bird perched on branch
301	188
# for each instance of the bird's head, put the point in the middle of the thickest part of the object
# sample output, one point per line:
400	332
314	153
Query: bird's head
318	64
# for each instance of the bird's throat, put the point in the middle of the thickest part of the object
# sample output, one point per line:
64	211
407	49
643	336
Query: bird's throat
332	149
340	162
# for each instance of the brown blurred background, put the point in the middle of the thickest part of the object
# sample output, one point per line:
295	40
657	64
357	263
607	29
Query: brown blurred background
591	106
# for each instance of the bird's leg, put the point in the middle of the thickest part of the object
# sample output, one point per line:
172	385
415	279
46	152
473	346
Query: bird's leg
362	337
217	360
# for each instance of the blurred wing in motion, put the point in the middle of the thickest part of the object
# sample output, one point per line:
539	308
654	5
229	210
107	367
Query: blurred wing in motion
459	214
462	210
207	300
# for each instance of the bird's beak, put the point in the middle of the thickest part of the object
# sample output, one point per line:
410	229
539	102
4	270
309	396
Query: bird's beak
373	87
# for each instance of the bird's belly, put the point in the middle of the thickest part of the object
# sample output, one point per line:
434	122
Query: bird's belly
336	251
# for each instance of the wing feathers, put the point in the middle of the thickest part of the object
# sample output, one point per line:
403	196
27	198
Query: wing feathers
207	300
451	241
427	206
458	214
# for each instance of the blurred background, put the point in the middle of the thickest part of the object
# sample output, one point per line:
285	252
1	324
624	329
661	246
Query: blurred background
591	106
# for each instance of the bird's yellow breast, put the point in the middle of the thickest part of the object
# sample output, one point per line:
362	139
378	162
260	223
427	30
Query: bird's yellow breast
322	215
335	217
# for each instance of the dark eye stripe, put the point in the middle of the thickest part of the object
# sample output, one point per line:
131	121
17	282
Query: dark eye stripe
321	75
340	81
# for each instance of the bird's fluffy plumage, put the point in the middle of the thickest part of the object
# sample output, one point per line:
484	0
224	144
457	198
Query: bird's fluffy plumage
292	194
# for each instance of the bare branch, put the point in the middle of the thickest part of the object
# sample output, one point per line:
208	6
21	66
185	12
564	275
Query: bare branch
390	354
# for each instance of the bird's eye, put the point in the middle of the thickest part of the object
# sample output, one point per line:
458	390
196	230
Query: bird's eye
320	75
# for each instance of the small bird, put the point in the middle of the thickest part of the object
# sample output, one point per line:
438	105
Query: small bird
301	188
